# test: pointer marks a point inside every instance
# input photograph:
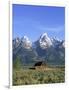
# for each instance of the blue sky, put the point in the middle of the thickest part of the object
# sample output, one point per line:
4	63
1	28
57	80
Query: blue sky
33	21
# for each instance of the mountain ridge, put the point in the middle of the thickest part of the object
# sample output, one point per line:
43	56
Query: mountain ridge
46	49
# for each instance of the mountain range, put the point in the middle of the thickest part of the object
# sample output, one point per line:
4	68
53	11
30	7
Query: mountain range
49	50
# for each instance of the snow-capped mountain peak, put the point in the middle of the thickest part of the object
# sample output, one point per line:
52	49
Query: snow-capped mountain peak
25	38
16	42
44	35
55	41
44	41
26	43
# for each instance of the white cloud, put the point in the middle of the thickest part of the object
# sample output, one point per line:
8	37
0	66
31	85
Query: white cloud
52	29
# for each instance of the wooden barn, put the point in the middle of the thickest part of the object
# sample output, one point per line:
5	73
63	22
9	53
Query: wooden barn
40	65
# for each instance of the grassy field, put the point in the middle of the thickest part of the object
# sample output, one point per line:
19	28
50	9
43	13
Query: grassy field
38	76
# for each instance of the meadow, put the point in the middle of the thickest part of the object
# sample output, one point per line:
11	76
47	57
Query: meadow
38	76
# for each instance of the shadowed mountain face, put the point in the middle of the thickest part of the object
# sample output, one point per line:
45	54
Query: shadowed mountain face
51	51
